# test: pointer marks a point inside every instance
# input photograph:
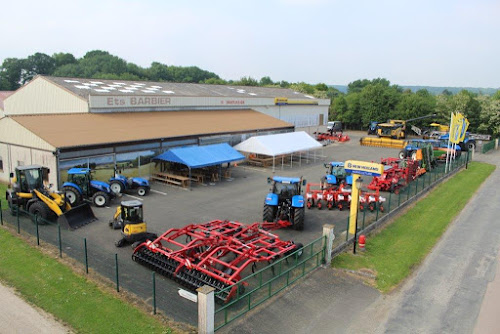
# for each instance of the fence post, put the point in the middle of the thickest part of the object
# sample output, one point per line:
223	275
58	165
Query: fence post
59	238
399	199
416	186
37	232
364	214
1	214
116	272
206	310
347	230
408	186
86	255
330	237
154	292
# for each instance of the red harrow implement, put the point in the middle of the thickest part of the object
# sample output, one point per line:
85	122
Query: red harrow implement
397	173
214	253
327	138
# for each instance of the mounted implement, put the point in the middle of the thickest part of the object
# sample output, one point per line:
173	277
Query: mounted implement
216	253
285	201
129	219
30	194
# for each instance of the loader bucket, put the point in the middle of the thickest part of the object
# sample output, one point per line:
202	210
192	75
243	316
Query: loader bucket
383	142
77	217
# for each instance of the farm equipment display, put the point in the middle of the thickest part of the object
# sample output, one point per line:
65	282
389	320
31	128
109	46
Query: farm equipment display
334	133
340	197
129	219
285	201
120	184
215	253
29	193
397	174
372	129
80	187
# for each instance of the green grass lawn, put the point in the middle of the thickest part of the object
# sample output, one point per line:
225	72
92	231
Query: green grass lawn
3	187
396	250
55	288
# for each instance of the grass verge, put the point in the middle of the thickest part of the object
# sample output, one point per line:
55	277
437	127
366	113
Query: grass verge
55	288
397	249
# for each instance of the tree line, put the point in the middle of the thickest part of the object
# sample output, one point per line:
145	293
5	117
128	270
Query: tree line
378	100
365	100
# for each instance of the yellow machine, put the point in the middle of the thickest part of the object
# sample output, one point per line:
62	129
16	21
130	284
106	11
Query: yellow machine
29	193
395	129
129	218
439	127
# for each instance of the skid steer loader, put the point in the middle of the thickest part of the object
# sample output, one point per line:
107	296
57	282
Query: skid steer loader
30	193
129	218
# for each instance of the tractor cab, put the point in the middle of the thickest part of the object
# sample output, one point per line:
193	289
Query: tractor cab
129	218
80	187
336	174
29	178
131	212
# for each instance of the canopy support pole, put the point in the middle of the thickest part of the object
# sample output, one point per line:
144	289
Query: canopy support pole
274	163
189	175
220	172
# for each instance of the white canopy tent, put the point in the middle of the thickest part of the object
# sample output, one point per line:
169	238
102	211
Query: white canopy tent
279	146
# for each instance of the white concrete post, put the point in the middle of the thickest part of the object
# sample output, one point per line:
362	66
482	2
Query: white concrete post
328	232
206	310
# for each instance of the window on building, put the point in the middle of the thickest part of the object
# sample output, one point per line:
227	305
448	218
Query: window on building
1	164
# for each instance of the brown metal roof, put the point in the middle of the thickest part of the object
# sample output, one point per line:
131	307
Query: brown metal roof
72	130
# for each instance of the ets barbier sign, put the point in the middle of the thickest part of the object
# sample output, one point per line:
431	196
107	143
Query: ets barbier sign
363	168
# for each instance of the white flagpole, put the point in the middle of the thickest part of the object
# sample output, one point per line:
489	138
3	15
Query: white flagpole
448	146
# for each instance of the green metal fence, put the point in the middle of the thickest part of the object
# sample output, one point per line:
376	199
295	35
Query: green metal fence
256	288
488	146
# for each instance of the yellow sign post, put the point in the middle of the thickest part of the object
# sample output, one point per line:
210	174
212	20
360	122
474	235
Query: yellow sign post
358	168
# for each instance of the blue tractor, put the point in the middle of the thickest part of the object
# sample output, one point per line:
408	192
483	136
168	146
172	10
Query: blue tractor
285	201
80	187
372	129
335	174
120	184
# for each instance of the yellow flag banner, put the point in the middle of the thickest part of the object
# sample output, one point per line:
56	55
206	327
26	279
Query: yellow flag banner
456	121
463	129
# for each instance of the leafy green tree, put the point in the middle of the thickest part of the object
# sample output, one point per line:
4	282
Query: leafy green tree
62	59
39	63
215	81
446	92
377	102
12	72
246	81
466	103
158	72
321	87
266	81
412	105
302	87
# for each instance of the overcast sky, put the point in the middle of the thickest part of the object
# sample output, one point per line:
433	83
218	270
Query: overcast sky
426	42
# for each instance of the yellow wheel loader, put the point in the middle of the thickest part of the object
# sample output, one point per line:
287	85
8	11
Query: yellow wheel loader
129	218
30	193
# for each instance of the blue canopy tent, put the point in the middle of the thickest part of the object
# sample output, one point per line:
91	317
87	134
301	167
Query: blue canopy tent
201	156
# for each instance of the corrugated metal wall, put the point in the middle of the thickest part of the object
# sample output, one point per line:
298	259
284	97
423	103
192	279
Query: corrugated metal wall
43	97
300	116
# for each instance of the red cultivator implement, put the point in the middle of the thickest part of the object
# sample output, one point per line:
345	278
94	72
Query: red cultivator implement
214	253
327	137
371	201
397	173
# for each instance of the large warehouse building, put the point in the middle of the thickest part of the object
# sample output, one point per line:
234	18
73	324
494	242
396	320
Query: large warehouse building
103	124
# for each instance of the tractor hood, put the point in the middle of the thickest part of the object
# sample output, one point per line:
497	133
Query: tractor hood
102	186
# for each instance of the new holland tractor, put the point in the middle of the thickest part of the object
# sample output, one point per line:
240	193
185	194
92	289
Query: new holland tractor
335	174
285	201
120	184
29	193
129	219
80	187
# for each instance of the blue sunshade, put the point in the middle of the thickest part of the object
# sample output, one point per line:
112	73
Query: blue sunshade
201	156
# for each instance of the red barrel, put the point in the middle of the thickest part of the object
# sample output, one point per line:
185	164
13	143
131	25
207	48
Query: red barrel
361	241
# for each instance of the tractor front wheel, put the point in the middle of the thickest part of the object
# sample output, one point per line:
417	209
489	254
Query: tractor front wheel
269	213
10	203
100	199
72	195
39	209
298	219
402	154
142	191
116	187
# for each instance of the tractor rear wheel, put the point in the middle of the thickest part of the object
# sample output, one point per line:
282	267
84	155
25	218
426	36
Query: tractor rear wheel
100	199
269	213
402	154
298	219
142	191
72	195
39	209
116	187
